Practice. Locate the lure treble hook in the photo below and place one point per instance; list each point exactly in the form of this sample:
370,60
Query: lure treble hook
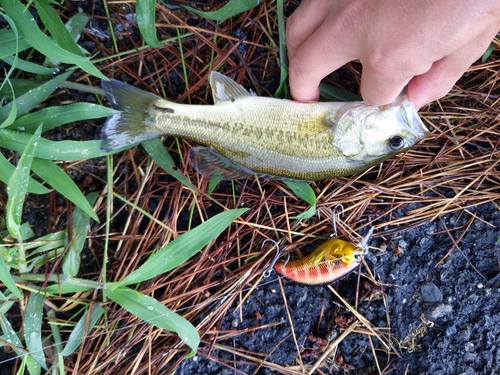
279,252
334,222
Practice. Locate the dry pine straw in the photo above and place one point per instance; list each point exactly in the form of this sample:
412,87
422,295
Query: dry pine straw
455,169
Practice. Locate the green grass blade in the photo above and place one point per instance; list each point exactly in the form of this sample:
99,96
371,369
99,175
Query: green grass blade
182,248
32,98
59,180
145,10
305,192
331,93
488,52
41,42
52,117
11,336
10,42
18,186
56,27
52,150
65,288
76,337
6,171
153,312
29,67
231,9
45,243
20,86
11,117
80,228
282,91
8,281
157,152
33,328
217,177
56,336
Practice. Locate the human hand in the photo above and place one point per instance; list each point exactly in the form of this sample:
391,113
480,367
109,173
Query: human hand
425,44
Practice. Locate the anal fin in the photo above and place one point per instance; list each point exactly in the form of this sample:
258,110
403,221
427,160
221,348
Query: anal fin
208,162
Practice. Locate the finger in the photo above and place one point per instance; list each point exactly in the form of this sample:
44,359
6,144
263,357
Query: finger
443,74
304,21
322,53
384,79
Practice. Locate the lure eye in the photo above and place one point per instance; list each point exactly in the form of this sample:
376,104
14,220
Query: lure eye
396,142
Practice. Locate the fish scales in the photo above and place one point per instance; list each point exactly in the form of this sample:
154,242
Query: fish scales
254,142
278,128
246,135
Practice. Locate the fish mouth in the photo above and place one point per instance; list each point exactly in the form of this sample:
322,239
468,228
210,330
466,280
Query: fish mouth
410,117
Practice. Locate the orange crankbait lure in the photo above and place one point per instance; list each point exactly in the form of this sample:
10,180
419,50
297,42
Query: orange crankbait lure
330,261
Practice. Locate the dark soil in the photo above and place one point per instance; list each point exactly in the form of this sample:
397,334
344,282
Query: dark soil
458,307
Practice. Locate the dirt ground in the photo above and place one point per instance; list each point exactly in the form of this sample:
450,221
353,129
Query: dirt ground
448,312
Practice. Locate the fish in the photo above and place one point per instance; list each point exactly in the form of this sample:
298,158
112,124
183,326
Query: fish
243,135
332,260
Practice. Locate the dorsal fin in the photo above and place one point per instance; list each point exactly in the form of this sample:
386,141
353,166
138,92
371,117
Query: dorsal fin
224,88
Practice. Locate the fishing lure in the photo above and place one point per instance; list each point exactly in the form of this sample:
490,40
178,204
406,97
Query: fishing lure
330,261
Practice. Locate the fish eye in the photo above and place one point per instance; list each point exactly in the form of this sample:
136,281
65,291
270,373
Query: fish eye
396,142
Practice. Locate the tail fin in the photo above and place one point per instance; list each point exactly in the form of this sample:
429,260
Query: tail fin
131,126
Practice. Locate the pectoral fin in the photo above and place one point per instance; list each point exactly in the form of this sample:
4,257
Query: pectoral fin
208,162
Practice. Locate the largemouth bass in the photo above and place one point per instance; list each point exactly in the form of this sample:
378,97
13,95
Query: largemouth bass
245,135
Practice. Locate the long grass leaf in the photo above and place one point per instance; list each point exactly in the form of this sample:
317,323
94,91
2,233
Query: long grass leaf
156,150
79,332
10,335
12,111
56,336
45,243
80,228
52,150
20,86
282,91
182,248
56,27
153,312
41,42
66,288
8,281
146,21
59,180
32,98
10,42
11,117
6,171
27,66
52,117
332,93
231,9
33,328
18,186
